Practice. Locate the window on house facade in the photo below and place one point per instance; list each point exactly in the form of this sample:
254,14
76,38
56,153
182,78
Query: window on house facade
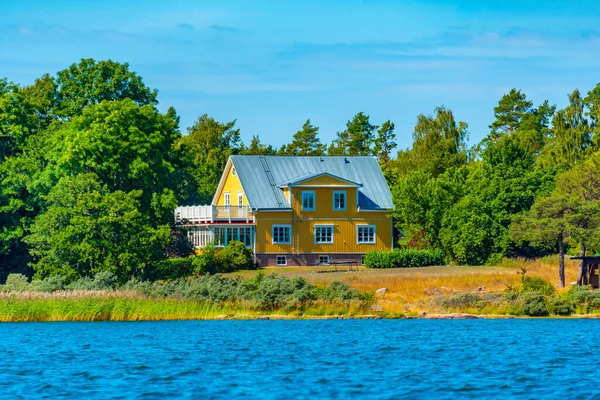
233,172
281,260
240,198
323,233
339,200
365,233
223,235
308,200
323,259
227,199
281,234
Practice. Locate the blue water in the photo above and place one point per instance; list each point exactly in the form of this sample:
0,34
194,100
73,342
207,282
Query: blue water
378,359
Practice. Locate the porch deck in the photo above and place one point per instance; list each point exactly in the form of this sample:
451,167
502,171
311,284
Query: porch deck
199,215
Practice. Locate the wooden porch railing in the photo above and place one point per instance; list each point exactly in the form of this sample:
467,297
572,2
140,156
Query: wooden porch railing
207,214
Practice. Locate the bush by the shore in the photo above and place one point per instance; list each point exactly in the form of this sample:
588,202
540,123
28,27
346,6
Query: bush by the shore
46,299
534,298
404,258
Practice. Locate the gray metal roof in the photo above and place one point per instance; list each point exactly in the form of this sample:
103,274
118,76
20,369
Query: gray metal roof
263,191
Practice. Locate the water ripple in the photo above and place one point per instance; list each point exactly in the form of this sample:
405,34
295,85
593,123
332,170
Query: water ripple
335,359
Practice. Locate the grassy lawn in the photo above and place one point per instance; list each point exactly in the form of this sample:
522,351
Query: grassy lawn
410,288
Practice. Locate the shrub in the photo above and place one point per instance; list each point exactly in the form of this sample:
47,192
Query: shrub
342,291
52,283
404,258
562,306
583,298
535,284
534,304
234,257
171,268
16,283
103,280
461,300
205,262
83,283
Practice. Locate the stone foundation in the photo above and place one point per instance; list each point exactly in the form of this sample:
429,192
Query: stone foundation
305,259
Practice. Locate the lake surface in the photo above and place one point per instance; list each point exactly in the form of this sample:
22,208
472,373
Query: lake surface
375,359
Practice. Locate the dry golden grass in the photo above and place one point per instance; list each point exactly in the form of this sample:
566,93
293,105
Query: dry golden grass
409,288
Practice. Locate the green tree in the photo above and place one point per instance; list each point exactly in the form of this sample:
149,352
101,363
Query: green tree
469,234
305,142
439,142
421,201
257,148
385,141
30,119
16,119
547,222
509,113
204,152
90,82
570,136
129,147
356,139
88,229
592,102
384,144
582,185
516,117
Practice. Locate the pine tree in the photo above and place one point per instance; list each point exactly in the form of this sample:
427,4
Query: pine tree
305,142
356,139
257,148
384,143
509,112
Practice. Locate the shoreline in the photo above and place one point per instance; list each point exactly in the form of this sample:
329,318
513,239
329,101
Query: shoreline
115,309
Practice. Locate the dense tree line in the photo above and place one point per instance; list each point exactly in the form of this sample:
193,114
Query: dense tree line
91,170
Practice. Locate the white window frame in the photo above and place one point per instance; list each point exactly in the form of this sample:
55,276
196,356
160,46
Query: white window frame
340,192
358,227
318,227
275,226
314,200
324,257
281,257
240,198
227,199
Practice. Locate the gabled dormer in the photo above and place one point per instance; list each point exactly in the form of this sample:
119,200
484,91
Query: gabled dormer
322,193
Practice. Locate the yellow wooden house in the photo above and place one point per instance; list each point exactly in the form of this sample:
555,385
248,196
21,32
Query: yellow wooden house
297,210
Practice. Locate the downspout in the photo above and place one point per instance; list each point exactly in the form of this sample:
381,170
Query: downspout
254,235
392,224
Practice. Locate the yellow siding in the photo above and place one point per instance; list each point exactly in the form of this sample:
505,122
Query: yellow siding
233,186
324,203
264,223
344,223
324,180
344,236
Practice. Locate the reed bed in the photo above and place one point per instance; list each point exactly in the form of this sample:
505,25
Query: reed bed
24,307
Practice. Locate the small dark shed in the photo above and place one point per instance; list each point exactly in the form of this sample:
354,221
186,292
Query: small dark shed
593,272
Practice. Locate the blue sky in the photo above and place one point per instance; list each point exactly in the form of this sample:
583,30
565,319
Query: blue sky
273,64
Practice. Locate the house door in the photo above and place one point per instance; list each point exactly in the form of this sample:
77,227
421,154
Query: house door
240,205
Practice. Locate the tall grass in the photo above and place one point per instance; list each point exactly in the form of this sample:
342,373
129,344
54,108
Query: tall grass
55,307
